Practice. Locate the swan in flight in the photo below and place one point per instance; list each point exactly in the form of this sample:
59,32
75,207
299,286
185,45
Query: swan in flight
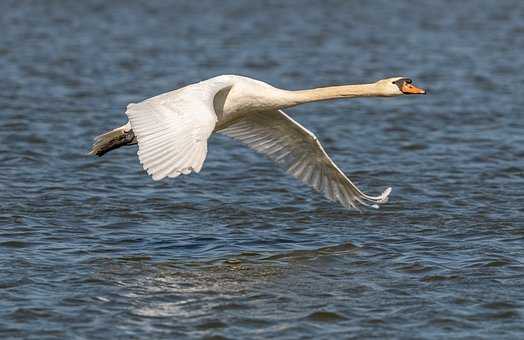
172,130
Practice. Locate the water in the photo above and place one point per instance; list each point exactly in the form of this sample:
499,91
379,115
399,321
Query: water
93,248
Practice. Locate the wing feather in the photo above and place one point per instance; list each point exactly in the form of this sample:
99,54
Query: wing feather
286,142
172,130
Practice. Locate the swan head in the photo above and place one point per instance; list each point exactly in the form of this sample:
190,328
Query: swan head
398,86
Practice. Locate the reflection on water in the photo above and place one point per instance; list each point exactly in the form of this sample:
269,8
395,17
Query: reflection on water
94,248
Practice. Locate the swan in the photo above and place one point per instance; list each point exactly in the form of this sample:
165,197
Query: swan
172,130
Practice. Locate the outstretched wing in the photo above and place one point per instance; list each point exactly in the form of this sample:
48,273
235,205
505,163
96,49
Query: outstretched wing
172,130
289,144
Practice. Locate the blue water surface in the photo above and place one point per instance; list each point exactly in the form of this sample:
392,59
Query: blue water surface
93,248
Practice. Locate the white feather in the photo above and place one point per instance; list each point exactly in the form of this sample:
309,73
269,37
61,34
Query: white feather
172,129
283,140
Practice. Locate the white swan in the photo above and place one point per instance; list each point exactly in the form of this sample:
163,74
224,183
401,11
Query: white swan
172,129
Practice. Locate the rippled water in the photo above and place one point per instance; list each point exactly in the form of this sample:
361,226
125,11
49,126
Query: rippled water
94,248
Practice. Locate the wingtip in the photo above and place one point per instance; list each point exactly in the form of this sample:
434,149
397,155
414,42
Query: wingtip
385,195
382,199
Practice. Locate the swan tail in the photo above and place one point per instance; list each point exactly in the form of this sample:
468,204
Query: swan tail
113,139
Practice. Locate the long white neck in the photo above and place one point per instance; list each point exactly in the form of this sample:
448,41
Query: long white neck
240,95
292,98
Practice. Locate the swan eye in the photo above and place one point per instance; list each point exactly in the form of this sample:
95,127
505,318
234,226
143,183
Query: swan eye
408,81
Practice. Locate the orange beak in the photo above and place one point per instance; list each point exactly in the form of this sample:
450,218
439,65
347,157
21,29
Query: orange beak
411,89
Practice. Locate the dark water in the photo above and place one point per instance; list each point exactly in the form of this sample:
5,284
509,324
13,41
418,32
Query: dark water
93,248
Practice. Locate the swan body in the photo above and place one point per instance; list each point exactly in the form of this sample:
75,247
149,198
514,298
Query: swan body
172,130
